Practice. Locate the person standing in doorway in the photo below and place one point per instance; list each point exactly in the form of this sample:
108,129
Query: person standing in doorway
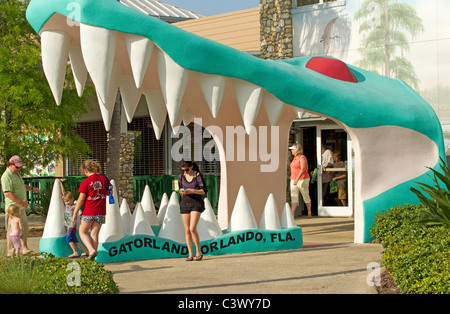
341,179
15,191
299,179
327,162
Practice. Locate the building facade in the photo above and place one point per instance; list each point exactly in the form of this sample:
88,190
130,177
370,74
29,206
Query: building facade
403,39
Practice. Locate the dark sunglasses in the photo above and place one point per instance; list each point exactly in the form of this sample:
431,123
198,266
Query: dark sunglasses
17,167
185,169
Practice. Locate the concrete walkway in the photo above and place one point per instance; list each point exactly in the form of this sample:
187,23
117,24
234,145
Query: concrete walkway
328,263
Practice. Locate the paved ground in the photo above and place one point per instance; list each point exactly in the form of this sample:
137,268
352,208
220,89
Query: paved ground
328,263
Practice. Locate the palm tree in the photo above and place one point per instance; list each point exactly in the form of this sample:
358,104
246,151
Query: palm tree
384,33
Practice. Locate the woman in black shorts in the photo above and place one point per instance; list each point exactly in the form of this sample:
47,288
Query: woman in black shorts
192,189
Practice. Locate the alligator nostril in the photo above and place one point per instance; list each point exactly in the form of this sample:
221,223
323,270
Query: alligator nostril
333,68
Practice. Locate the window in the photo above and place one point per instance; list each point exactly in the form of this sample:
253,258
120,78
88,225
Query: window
150,155
148,151
95,135
301,3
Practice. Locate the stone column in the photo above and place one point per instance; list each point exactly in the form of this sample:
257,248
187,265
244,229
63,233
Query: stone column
276,29
126,165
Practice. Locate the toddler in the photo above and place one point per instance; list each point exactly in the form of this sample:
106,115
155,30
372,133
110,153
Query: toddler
71,226
15,225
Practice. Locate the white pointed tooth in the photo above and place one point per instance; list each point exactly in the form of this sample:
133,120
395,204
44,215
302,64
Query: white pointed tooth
130,95
162,213
299,112
213,87
149,207
106,114
172,227
173,80
140,51
242,217
188,118
249,97
54,224
55,52
157,110
208,228
269,219
78,68
139,223
163,208
125,214
274,108
180,117
113,229
99,48
287,220
107,108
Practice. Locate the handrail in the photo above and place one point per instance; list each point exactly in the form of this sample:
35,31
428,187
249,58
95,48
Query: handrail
158,186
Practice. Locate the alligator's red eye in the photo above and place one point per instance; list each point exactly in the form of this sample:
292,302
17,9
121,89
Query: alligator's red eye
332,68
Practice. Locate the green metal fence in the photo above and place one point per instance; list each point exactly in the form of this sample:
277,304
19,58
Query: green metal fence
158,186
45,184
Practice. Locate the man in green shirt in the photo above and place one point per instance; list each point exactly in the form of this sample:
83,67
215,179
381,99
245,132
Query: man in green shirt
15,192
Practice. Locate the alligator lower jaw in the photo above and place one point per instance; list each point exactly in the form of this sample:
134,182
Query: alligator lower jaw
146,234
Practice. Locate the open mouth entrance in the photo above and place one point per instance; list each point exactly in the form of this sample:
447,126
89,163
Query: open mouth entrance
329,152
178,85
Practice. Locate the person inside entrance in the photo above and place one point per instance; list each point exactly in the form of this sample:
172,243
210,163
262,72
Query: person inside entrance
299,179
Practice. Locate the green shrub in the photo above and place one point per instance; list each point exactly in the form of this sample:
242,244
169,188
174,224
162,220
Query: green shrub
397,223
21,276
416,255
52,275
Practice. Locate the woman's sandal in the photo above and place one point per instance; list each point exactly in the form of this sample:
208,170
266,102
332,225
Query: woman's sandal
189,259
198,258
93,256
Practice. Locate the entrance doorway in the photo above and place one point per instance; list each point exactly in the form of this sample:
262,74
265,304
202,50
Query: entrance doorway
334,177
327,199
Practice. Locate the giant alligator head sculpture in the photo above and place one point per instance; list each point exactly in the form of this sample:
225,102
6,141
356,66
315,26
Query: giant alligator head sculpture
395,133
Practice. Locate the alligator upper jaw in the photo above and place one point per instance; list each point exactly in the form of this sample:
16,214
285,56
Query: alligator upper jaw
136,66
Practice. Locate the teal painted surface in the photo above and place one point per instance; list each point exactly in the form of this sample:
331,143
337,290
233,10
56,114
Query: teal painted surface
57,246
399,195
143,247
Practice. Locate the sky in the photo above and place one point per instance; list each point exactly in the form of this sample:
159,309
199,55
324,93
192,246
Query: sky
213,7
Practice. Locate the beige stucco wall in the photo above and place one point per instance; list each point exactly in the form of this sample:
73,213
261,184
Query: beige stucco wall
239,29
